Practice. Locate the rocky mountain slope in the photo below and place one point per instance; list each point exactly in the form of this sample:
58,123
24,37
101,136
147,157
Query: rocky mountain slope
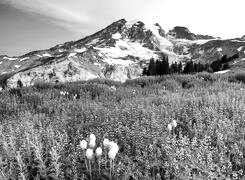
118,52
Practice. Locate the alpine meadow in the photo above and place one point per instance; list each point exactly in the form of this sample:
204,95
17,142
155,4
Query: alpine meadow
87,93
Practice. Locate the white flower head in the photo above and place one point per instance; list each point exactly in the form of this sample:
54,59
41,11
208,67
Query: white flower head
92,137
169,127
174,123
98,152
112,154
106,142
113,146
92,143
83,144
89,154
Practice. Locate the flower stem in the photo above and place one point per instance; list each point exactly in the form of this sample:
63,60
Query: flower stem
112,166
84,153
110,169
90,169
99,166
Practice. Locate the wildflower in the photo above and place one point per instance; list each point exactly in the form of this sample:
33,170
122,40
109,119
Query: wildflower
98,152
113,88
92,143
89,154
114,146
169,127
174,124
92,137
112,154
106,143
83,144
111,145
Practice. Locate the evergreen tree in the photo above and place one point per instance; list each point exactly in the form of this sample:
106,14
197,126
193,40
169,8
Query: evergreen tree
180,67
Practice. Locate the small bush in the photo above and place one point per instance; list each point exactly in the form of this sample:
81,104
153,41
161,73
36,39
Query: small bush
171,85
240,77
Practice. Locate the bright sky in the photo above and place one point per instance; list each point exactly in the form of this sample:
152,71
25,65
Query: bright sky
27,25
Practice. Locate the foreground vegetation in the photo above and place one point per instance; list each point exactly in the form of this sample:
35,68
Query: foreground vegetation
41,128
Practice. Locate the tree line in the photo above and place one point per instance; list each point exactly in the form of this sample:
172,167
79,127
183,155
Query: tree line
162,66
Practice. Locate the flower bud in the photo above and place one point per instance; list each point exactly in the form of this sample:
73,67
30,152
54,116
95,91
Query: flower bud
98,152
89,154
92,143
106,143
174,124
169,127
92,137
83,144
112,154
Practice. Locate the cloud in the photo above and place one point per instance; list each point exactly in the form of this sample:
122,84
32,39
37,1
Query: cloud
202,16
77,14
54,11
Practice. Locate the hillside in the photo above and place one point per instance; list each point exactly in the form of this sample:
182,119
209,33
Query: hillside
118,52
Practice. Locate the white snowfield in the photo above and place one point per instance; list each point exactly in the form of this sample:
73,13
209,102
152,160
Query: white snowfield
222,72
80,50
116,36
219,49
72,55
155,30
9,58
129,24
23,59
118,62
38,55
94,41
1,62
240,48
17,66
124,48
46,55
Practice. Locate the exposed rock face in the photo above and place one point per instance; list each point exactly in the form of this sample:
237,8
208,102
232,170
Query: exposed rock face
182,33
118,52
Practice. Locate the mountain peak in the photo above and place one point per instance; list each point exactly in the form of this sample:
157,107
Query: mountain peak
118,52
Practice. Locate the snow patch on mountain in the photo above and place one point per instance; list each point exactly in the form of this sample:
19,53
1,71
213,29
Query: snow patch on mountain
17,66
118,62
23,59
72,55
80,50
222,72
9,58
219,49
124,48
130,23
240,48
116,36
164,42
46,55
94,41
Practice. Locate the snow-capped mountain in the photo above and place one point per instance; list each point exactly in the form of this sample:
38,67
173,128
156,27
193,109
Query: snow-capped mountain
118,52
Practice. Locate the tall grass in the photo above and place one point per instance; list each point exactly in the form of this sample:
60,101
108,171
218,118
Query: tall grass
40,129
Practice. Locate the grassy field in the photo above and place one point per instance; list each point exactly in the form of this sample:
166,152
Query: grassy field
41,129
